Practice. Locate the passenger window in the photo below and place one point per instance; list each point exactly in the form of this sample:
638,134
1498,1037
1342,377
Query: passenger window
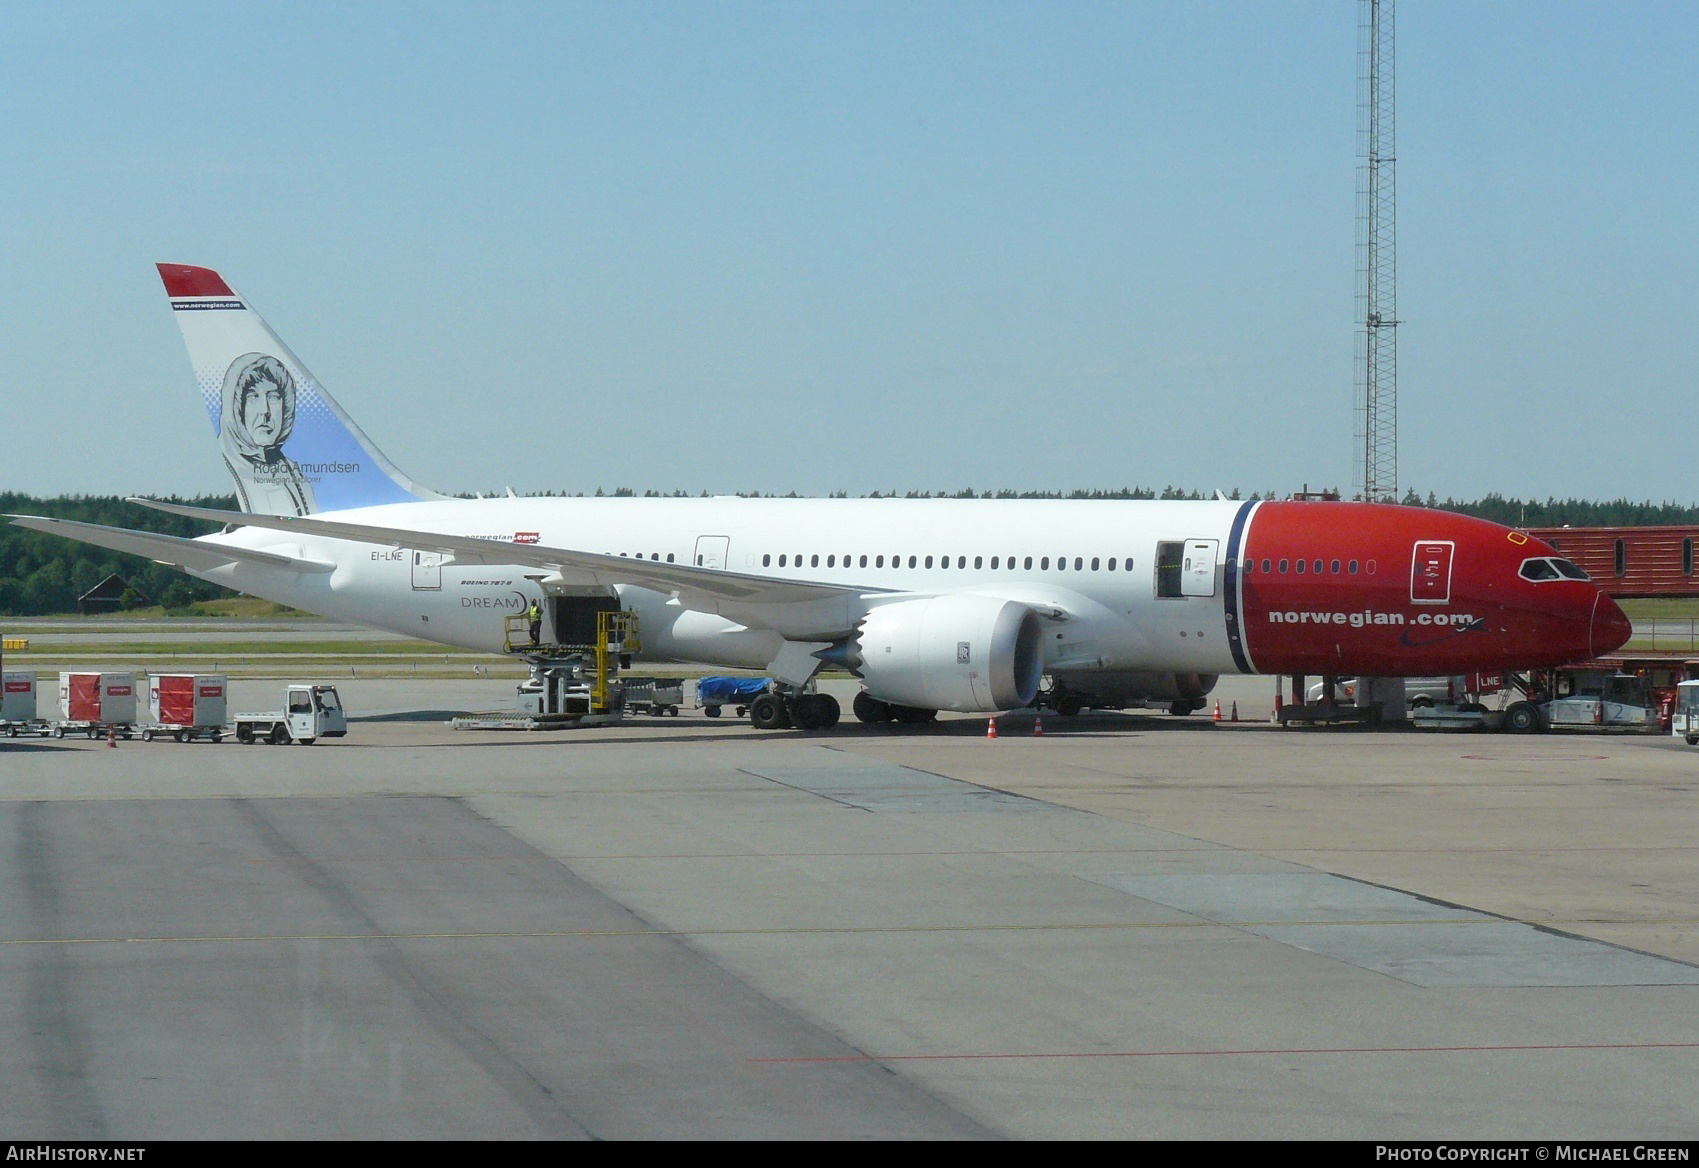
1111,563
911,562
1029,563
1094,563
1334,567
928,561
832,561
1285,566
979,562
669,557
864,561
1300,567
1266,566
1079,563
961,562
1352,567
781,561
766,560
877,563
1044,564
1318,567
813,561
1127,564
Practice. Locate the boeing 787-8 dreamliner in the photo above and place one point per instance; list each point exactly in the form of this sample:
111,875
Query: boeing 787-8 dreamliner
934,604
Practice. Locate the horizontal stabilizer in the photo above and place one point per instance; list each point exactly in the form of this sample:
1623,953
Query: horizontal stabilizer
190,554
686,580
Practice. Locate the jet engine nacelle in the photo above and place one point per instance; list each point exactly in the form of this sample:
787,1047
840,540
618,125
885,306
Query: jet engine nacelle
971,653
1130,686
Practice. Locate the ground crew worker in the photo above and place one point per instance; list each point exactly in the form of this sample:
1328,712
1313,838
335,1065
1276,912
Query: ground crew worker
534,614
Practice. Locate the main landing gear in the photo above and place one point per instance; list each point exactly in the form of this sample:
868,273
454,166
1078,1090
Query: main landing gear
809,711
871,710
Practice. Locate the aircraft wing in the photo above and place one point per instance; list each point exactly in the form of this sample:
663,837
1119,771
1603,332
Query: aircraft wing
173,550
687,581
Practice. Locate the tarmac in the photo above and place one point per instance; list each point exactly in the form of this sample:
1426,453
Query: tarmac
1131,926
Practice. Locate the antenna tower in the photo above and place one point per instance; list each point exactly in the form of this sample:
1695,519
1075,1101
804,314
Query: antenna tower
1377,266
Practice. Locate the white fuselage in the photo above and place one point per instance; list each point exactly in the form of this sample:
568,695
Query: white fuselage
1067,558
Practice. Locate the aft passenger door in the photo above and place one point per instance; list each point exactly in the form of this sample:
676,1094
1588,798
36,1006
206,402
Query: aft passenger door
427,571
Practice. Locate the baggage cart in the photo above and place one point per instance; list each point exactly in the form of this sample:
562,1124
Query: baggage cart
186,707
17,705
659,696
95,704
714,692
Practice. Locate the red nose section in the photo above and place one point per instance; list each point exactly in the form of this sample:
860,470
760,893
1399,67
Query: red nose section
1611,627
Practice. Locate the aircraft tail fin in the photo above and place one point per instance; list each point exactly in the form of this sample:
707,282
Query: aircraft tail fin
288,445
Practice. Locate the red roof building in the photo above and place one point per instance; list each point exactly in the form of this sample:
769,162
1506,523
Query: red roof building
1630,561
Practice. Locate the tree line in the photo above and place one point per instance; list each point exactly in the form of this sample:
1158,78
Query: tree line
43,575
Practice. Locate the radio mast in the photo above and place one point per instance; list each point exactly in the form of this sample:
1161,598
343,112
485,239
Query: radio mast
1377,265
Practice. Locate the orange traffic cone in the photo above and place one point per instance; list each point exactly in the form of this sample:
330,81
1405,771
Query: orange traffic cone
112,736
1038,726
1218,716
991,728
1235,716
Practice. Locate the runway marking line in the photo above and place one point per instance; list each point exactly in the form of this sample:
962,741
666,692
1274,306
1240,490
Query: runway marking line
848,930
1250,1051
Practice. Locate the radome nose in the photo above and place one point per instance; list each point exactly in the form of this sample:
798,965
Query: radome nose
1611,626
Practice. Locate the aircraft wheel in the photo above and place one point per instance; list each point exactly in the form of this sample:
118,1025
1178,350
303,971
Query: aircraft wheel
870,709
1069,706
767,712
815,711
914,716
1180,709
1522,718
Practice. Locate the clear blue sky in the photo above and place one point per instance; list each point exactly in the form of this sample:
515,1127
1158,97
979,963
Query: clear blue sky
816,247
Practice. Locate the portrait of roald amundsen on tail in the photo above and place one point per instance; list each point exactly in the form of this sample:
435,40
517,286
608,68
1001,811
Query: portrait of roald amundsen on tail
259,413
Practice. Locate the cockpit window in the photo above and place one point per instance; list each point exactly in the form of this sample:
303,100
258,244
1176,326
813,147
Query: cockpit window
1551,569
